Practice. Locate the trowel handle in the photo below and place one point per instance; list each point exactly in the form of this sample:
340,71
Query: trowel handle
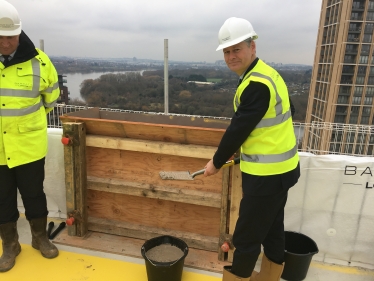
199,172
227,164
232,162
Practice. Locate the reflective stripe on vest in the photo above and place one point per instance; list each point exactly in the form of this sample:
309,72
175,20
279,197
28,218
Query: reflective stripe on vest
34,93
280,117
20,112
273,158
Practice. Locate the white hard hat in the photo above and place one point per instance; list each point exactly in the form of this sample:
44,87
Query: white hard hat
10,24
233,31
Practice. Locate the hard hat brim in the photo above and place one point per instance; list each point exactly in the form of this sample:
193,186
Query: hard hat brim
236,41
11,32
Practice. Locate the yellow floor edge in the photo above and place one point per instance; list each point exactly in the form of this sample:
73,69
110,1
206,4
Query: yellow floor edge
68,266
343,269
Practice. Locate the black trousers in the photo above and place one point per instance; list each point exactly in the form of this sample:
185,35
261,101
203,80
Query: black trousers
28,178
260,222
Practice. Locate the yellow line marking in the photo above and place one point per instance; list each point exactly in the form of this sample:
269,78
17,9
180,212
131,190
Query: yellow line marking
68,266
343,269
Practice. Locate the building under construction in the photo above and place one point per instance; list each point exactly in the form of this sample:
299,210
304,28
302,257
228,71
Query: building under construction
342,83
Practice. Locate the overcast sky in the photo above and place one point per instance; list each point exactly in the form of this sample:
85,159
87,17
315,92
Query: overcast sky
287,29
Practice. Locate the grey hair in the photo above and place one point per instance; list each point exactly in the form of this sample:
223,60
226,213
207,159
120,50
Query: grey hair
248,41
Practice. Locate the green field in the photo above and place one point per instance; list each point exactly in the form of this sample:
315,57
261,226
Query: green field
215,80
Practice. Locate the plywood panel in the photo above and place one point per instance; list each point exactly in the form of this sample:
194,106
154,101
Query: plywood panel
155,213
145,167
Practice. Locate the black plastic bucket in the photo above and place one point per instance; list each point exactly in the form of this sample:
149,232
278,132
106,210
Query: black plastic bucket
164,271
299,250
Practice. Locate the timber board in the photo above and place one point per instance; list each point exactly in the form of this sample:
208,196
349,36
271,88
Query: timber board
167,133
236,197
154,118
142,167
168,148
156,127
195,197
137,231
154,212
131,247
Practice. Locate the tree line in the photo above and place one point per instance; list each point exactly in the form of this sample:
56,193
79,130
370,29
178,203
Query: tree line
132,91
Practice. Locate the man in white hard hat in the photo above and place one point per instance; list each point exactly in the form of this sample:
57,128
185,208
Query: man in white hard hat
28,90
262,128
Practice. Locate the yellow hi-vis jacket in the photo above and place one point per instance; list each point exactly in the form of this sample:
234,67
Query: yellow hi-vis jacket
271,147
28,90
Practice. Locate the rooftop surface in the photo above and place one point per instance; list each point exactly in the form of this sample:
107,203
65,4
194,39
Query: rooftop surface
81,264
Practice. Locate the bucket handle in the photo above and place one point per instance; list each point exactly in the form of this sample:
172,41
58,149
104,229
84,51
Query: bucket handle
156,265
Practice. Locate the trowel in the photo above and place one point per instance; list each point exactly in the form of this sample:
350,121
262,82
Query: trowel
186,175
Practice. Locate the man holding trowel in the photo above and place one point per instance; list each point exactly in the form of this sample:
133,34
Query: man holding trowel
262,128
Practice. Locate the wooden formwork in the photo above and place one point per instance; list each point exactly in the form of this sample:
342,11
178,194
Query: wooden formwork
113,186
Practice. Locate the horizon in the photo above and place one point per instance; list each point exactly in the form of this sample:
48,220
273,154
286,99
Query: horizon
287,29
160,60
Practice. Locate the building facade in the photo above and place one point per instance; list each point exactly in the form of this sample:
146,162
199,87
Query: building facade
342,83
64,92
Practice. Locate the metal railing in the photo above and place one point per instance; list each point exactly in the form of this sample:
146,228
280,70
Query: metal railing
319,137
61,109
337,138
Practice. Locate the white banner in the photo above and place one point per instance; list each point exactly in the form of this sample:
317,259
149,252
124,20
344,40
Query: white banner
333,204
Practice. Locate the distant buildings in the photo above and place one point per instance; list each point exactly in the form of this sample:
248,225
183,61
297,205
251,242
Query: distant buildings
342,83
64,93
199,83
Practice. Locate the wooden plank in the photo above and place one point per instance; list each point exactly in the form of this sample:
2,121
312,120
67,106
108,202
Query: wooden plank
132,166
224,202
69,177
80,177
235,198
151,117
207,243
145,190
185,150
157,213
76,176
149,131
131,247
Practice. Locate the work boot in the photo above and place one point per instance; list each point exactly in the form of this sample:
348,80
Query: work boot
11,246
270,271
228,276
40,240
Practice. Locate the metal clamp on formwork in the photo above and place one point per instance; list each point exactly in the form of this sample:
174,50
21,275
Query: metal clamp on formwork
73,216
225,242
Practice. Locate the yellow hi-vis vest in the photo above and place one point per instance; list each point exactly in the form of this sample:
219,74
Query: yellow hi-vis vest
271,147
28,91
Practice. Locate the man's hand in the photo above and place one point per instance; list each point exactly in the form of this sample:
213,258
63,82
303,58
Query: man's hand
210,169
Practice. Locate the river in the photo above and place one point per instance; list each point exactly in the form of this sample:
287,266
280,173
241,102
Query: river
74,81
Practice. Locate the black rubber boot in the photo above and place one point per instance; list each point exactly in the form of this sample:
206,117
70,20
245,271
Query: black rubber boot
40,240
11,246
